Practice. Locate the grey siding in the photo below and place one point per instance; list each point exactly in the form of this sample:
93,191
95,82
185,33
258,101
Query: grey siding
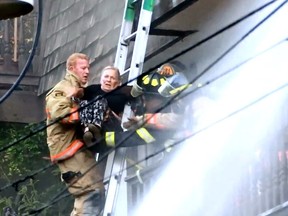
87,26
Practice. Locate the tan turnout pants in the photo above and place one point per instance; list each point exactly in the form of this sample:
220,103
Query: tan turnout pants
86,185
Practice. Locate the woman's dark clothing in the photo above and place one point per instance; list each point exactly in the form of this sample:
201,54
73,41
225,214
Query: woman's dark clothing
116,100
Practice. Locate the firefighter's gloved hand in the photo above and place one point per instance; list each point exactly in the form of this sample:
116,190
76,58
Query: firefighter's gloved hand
134,122
136,90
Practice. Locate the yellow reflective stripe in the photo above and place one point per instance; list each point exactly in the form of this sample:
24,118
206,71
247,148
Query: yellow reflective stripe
110,138
181,88
145,135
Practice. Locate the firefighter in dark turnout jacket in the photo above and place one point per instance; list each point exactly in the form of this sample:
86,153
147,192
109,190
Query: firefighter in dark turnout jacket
156,121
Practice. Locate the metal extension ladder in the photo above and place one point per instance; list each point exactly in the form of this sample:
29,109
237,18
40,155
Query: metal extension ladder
116,164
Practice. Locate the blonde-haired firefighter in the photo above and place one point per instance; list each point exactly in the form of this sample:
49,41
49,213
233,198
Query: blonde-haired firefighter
64,138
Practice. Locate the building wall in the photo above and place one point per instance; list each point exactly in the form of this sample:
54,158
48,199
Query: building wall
22,107
91,27
68,26
88,26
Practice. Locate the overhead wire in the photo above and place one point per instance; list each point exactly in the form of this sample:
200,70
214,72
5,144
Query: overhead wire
181,96
16,183
129,81
177,55
226,52
237,42
214,34
230,49
172,145
44,127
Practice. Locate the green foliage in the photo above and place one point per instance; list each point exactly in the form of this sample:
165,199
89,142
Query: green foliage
6,201
33,199
29,198
22,159
25,155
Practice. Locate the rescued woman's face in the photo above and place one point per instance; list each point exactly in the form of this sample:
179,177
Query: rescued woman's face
109,80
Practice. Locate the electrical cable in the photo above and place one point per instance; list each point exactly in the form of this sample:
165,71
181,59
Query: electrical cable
32,133
31,55
175,143
129,81
240,40
44,127
191,135
15,183
214,34
177,55
231,48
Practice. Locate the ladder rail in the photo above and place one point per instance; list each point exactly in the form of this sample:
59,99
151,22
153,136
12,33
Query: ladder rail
116,167
141,39
126,29
116,163
117,159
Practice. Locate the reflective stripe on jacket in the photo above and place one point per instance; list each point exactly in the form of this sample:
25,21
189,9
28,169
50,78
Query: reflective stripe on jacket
145,135
141,136
60,134
72,117
68,152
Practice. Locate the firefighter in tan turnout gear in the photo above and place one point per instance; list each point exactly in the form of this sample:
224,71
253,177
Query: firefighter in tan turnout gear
64,138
